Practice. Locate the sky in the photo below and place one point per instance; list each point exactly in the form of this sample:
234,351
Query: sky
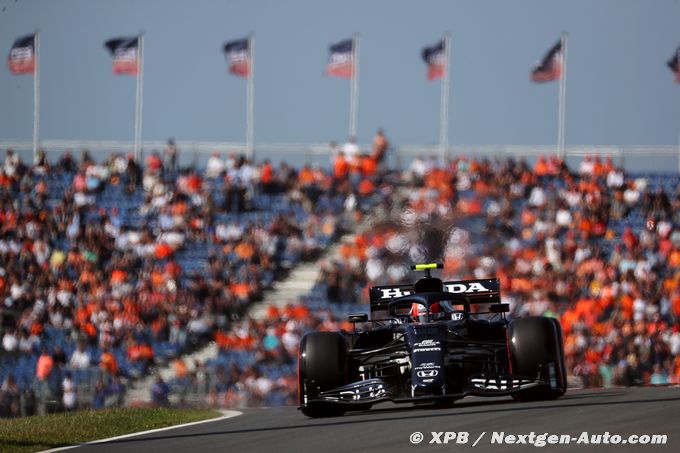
619,90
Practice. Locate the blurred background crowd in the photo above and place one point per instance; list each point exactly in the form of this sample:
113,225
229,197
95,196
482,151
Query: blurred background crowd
111,269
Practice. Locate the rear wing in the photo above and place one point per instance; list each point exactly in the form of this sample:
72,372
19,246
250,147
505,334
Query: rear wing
483,291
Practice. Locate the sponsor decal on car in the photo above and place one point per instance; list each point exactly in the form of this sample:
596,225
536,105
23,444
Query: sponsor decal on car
427,365
427,346
455,288
392,293
497,383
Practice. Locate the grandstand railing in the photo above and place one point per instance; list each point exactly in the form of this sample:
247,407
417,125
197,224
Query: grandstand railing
639,157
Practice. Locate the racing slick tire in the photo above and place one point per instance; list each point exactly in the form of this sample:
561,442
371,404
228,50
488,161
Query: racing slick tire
322,366
536,350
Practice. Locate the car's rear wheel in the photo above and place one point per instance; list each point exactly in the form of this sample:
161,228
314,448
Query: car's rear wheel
322,366
536,350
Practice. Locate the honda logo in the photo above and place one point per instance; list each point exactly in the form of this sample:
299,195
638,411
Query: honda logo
469,287
474,287
391,293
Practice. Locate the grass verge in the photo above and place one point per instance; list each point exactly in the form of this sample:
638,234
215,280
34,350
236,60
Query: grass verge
31,434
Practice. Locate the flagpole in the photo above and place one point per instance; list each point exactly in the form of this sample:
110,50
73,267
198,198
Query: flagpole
139,98
678,137
36,96
562,99
250,97
354,87
444,100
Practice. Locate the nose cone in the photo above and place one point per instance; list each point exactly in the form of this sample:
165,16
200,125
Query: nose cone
434,388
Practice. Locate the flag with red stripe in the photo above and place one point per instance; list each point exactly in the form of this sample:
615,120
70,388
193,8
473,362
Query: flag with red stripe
125,53
341,59
435,58
550,67
238,56
674,64
21,59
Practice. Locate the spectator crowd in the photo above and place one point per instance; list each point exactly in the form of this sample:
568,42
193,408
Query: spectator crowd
115,265
594,246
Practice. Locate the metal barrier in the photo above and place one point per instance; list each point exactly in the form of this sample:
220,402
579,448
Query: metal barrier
637,158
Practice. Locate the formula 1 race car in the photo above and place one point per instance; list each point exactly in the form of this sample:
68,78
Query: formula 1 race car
431,343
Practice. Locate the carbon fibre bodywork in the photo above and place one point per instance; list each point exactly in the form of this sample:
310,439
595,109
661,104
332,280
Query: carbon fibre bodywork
434,355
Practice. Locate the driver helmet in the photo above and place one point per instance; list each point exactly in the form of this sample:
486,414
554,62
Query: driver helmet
419,311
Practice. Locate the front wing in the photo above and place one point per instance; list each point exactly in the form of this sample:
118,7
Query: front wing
377,390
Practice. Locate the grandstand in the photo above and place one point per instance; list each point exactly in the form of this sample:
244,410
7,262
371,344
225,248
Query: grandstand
135,267
140,267
552,234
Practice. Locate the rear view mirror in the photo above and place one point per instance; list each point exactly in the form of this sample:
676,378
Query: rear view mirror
499,308
357,317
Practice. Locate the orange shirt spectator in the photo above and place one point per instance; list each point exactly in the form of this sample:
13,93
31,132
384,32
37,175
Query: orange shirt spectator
194,183
5,181
87,277
528,217
37,328
340,167
306,176
541,167
629,238
44,366
181,369
146,351
240,290
173,269
108,363
118,276
267,173
157,278
154,162
321,178
675,303
90,330
369,166
608,165
366,187
598,168
140,351
674,258
244,250
179,208
273,312
134,352
163,250
300,312
79,183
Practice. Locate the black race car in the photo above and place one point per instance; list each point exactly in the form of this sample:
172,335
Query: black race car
432,342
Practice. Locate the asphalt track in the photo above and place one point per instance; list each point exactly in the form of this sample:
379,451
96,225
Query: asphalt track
388,427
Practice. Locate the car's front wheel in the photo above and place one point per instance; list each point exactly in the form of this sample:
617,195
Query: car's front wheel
536,350
322,366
